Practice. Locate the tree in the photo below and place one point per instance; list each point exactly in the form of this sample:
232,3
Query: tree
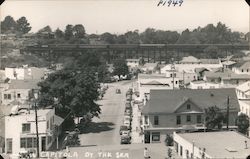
214,117
59,33
120,68
79,31
45,29
68,32
76,89
22,25
149,36
108,38
242,122
212,52
8,25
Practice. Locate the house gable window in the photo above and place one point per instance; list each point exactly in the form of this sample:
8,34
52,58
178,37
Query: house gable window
178,120
188,106
156,120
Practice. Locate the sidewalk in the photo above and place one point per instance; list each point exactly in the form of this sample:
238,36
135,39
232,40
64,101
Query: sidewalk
136,137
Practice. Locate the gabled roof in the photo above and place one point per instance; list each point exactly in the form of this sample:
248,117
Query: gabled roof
210,61
244,87
190,59
24,84
153,82
166,101
228,63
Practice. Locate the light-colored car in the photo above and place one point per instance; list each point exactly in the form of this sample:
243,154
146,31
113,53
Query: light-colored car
126,123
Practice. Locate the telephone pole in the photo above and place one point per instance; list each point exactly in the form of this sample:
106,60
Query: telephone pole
227,112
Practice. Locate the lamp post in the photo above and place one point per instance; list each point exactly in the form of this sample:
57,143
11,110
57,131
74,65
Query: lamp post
35,97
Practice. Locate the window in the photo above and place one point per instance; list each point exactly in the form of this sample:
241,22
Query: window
156,120
199,87
5,96
51,124
155,136
146,120
188,106
198,117
247,70
181,150
9,96
18,95
47,124
26,128
242,70
176,82
178,120
28,142
188,118
9,145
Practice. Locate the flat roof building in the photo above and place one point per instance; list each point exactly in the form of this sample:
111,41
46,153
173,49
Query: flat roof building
226,144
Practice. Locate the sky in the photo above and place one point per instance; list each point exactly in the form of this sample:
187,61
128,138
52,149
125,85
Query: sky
120,16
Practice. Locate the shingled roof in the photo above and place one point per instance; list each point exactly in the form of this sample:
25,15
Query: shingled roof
167,101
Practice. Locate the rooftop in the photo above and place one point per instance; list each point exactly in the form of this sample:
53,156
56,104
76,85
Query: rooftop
167,101
189,59
209,61
228,144
244,86
24,84
151,76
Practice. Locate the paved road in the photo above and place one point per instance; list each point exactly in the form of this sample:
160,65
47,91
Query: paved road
106,128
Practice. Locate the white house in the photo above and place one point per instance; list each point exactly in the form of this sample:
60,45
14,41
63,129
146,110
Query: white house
25,72
227,144
189,67
242,68
20,130
150,67
185,75
133,63
203,85
18,91
147,82
243,90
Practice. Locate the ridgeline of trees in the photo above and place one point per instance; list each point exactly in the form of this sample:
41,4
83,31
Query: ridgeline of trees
210,34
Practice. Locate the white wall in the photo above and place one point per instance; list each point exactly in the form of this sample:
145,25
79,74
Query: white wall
13,127
186,145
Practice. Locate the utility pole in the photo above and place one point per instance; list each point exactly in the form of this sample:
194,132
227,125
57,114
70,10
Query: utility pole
37,136
173,70
227,112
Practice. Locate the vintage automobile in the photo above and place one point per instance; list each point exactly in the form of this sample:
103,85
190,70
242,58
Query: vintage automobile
118,91
125,139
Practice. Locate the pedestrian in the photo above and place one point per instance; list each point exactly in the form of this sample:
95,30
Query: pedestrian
146,155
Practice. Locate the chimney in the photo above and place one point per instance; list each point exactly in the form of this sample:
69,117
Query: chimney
246,145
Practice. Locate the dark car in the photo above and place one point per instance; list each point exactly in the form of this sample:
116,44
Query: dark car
125,139
118,91
123,128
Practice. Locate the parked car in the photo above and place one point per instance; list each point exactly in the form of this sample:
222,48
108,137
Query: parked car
127,117
125,139
128,106
128,112
118,91
123,128
127,123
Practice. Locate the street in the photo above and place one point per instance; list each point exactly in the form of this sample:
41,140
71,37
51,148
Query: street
105,130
